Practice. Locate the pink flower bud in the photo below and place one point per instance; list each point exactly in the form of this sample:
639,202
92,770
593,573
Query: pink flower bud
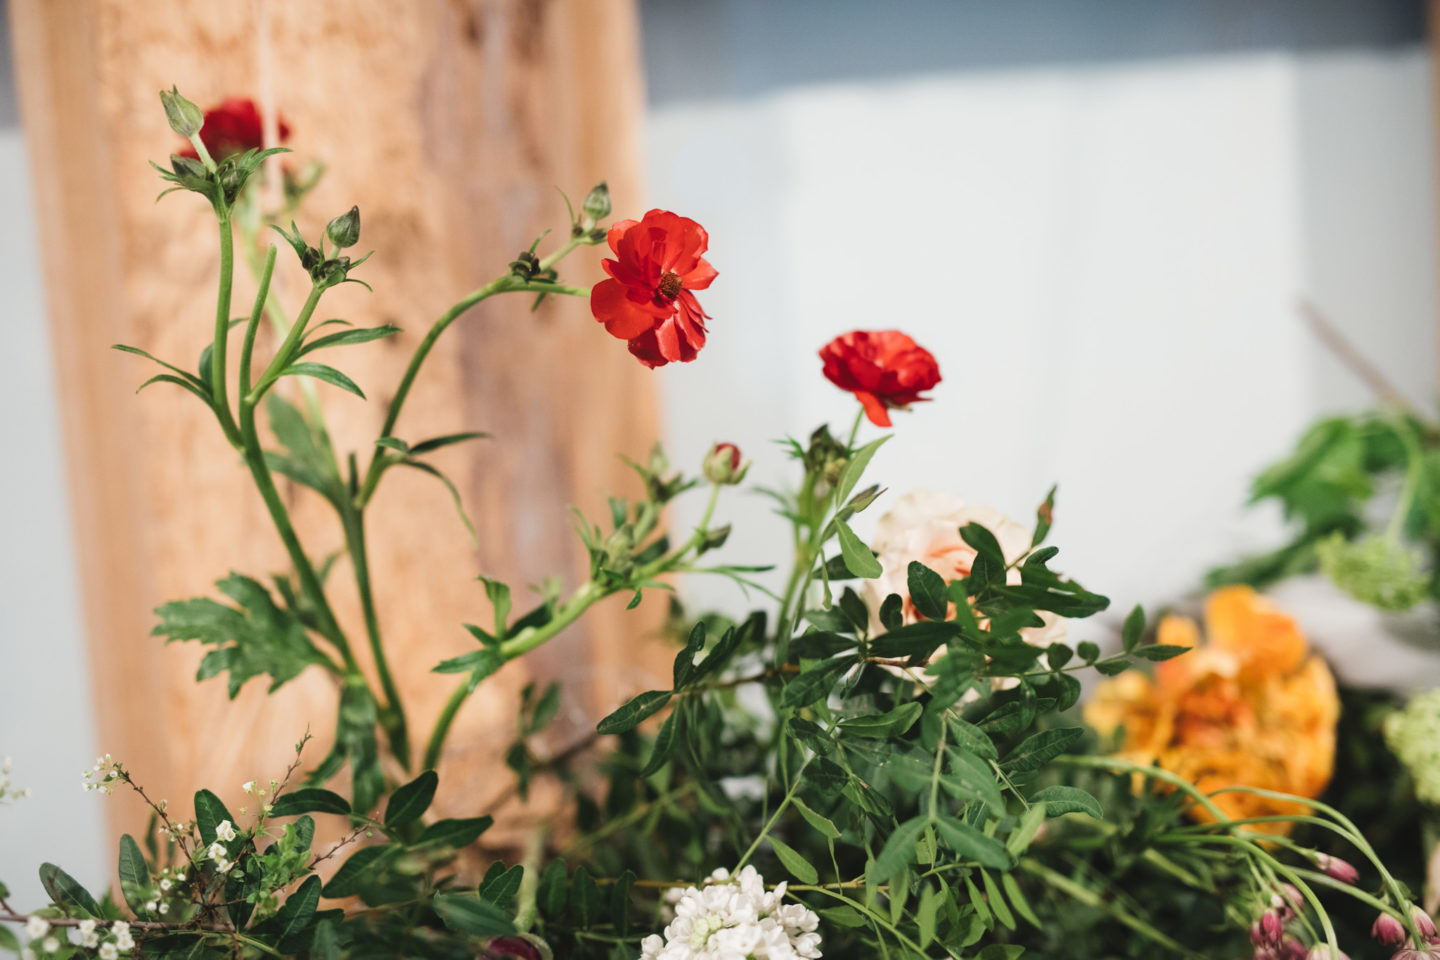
722,464
1287,901
1388,930
1268,931
1321,951
1291,949
1423,923
1338,869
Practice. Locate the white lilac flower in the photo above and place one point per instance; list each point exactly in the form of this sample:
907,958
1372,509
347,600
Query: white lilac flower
731,917
36,927
225,830
50,945
108,951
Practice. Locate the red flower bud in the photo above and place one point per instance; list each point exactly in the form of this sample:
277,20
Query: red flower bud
1338,869
1388,930
883,368
1423,923
1268,931
722,464
513,948
648,300
1321,951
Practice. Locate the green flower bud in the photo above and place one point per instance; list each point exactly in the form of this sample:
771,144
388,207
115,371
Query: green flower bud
723,464
597,203
1414,736
1375,570
714,539
344,230
185,118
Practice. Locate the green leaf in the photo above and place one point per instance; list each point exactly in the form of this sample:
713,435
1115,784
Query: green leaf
455,833
1160,651
65,891
684,666
309,800
409,802
664,745
1038,750
185,384
347,337
186,375
449,439
1134,628
293,920
1023,835
844,916
255,638
620,902
928,591
633,712
326,943
971,844
997,902
815,683
1060,800
499,596
1017,898
799,867
550,895
134,874
884,725
1044,517
321,372
501,883
899,849
8,940
584,898
859,559
470,915
989,565
360,870
449,486
855,469
925,915
1001,951
973,739
210,812
826,826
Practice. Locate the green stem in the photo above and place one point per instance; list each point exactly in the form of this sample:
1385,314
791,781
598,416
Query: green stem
503,284
1111,763
247,349
219,389
774,817
436,743
392,712
1090,898
286,352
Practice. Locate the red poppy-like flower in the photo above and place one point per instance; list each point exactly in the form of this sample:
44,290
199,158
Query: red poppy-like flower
233,127
883,368
648,300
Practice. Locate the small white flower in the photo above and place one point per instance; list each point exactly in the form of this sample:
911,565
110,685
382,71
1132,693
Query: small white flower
152,906
27,954
216,851
120,928
225,830
85,934
124,943
180,877
50,945
108,951
166,884
248,786
164,908
36,927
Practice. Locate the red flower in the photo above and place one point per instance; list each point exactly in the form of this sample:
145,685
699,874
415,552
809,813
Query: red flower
233,127
883,368
648,299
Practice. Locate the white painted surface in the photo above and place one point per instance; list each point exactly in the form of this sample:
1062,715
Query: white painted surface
46,723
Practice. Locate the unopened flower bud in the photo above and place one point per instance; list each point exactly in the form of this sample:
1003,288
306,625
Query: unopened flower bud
1268,931
185,118
723,464
1322,951
715,539
597,203
1338,869
1287,901
1423,924
344,230
1388,930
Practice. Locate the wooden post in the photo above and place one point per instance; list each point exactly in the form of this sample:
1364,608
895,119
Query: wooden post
451,124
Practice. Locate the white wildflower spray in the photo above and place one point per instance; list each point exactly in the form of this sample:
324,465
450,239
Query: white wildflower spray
736,917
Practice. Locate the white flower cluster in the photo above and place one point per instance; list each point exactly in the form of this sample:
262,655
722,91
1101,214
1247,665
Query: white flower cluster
103,776
217,851
166,890
7,790
736,918
87,935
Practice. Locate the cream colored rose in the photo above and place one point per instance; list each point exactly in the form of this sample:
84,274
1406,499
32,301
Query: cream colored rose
924,525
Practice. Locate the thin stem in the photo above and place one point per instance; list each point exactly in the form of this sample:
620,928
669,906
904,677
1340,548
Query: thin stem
285,354
1090,898
393,710
247,349
218,386
774,817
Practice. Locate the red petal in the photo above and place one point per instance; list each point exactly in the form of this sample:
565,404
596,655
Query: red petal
700,277
874,409
623,317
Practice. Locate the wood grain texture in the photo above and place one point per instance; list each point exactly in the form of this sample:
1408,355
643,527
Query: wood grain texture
450,123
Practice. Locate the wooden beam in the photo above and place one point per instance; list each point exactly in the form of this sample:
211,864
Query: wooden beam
450,124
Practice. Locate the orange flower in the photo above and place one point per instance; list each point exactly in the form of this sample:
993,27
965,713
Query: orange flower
1250,707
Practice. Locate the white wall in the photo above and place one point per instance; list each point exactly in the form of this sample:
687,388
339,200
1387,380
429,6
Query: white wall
46,723
1104,258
